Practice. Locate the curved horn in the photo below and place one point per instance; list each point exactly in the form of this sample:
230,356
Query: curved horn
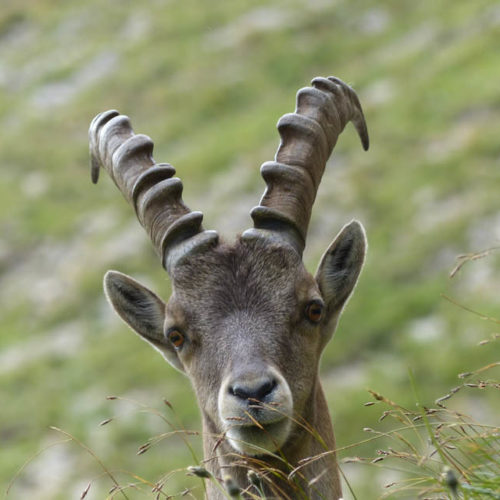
308,137
149,187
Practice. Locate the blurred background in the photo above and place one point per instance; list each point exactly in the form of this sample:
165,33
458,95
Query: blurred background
208,82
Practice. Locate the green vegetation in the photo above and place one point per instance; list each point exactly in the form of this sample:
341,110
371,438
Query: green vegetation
436,451
208,81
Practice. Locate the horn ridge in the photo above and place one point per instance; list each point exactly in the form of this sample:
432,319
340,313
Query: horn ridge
308,137
149,187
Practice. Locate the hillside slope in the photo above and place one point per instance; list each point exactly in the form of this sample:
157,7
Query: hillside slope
208,81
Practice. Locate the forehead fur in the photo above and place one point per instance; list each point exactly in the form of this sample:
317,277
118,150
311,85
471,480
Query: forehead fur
247,274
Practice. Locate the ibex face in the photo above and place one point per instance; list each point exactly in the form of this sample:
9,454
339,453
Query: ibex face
246,322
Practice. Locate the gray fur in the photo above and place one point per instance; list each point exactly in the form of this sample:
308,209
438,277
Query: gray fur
249,322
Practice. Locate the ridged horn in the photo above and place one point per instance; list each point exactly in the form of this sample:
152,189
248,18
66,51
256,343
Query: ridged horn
149,187
308,137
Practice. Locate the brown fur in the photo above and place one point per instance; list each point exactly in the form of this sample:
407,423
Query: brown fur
247,304
246,322
242,309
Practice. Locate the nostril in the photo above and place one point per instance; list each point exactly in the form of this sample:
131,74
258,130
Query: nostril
258,390
266,389
239,391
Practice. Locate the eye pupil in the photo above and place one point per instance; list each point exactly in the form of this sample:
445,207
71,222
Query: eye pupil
176,338
314,312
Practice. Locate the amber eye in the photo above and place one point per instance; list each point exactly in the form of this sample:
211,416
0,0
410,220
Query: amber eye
176,337
314,312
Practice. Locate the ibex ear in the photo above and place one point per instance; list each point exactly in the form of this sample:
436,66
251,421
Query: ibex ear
142,310
340,266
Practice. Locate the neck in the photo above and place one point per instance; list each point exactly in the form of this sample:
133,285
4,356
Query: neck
301,445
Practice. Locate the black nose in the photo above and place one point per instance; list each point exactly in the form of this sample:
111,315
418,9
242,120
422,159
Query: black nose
257,389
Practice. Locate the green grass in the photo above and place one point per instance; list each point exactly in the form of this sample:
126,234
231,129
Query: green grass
437,450
427,191
419,449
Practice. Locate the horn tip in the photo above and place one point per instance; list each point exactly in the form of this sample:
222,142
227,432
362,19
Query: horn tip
362,130
94,169
365,141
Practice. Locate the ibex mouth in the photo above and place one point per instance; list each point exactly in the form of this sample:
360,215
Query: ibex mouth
255,411
259,439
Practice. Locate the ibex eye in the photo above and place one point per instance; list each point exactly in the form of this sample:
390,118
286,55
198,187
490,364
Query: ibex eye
314,312
176,337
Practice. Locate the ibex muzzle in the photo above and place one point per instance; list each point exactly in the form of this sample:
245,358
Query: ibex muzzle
246,321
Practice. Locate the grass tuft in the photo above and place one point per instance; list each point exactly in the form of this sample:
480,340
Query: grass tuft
439,452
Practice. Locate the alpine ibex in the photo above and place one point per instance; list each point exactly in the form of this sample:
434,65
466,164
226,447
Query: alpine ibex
246,322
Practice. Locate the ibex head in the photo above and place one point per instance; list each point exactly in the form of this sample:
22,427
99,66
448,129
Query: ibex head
246,321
